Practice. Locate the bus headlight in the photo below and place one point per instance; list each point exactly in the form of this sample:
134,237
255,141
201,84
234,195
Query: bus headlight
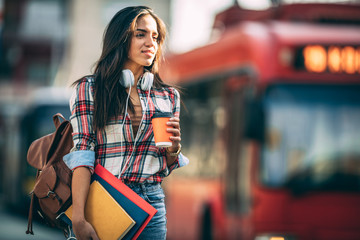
274,236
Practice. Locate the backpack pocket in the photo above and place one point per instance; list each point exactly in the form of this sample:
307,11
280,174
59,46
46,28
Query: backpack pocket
51,192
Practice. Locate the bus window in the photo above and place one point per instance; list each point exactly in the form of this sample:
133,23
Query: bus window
312,137
201,123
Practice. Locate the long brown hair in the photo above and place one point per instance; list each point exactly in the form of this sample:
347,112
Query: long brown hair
109,95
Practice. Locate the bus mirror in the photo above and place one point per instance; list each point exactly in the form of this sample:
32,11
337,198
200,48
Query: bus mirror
254,120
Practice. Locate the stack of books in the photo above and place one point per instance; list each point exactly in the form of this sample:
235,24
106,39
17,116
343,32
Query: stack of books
114,210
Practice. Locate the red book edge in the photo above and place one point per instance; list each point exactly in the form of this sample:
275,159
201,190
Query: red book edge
130,194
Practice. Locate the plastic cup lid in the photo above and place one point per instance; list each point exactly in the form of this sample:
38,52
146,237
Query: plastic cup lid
162,114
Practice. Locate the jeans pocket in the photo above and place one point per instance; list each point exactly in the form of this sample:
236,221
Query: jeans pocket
154,196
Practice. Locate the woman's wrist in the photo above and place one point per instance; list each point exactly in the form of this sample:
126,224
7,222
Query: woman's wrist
78,218
78,212
173,152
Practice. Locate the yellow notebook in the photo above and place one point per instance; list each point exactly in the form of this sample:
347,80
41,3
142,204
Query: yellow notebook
108,218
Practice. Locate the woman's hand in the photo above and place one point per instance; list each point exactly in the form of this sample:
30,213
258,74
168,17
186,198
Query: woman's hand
174,128
83,230
174,123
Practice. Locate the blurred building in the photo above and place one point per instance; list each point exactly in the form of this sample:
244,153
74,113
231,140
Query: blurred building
33,40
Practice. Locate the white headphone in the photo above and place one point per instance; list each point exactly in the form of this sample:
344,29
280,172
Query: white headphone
127,80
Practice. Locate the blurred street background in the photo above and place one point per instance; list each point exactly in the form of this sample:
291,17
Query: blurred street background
229,56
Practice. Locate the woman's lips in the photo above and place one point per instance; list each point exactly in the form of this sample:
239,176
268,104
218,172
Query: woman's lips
148,53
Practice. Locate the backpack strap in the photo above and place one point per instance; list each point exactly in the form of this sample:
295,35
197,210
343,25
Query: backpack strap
31,210
29,228
56,119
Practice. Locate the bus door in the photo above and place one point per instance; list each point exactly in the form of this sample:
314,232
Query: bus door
237,171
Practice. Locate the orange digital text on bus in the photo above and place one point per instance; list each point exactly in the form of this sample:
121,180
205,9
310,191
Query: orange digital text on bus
336,59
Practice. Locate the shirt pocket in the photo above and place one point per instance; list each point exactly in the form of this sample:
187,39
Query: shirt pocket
163,104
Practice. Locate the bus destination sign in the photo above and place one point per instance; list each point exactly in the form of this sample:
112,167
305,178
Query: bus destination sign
330,59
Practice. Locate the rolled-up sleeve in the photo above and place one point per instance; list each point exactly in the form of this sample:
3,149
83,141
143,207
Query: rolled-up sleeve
181,161
82,109
80,158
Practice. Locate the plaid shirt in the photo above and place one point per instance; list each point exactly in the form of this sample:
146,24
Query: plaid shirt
118,150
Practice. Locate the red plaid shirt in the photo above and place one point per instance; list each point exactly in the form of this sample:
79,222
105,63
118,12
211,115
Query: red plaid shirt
136,157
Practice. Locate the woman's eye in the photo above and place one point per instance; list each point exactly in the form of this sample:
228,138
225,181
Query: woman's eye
139,35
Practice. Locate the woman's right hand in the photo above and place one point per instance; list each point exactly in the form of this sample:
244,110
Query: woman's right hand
80,188
83,230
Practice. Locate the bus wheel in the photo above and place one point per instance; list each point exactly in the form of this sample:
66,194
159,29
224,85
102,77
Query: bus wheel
206,228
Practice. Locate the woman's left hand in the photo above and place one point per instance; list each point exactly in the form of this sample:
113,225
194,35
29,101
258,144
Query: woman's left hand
174,128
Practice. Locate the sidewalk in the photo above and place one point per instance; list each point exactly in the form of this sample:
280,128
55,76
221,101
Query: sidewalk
13,227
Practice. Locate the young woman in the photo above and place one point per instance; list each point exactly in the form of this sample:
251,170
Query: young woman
111,118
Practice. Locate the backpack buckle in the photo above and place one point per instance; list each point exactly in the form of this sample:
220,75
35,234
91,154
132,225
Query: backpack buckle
50,192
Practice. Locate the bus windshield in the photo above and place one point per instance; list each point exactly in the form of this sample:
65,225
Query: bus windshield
312,137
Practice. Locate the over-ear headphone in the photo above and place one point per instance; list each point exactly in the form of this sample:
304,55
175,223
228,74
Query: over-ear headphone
127,80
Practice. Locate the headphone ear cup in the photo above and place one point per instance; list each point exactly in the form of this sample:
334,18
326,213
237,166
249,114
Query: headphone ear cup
127,79
147,81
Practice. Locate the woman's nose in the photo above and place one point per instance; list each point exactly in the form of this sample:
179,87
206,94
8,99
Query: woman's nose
150,41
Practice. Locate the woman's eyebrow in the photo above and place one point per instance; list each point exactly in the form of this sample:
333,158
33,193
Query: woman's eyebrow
143,30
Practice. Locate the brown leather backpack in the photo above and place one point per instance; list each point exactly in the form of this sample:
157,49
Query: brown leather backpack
52,191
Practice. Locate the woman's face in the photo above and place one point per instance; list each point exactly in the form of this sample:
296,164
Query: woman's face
144,45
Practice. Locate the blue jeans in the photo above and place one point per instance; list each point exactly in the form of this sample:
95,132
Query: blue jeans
153,194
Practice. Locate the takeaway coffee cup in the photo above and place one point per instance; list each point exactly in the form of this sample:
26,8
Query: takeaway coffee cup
162,137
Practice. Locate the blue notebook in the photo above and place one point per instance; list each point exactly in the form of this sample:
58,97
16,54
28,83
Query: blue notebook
133,210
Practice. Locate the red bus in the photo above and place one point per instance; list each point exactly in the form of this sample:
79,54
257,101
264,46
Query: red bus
271,127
